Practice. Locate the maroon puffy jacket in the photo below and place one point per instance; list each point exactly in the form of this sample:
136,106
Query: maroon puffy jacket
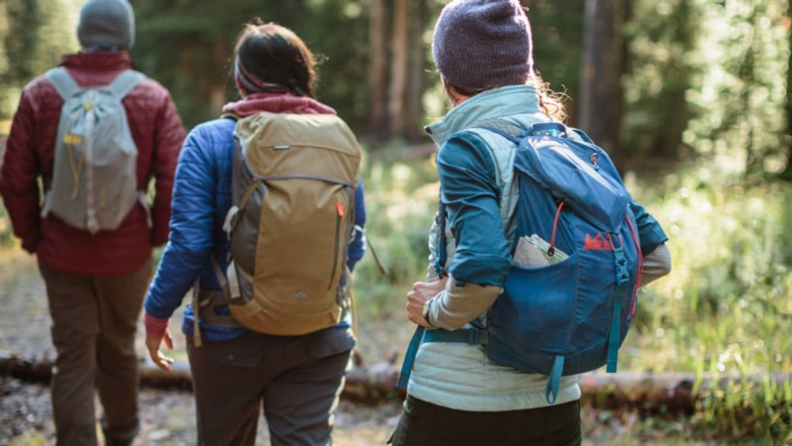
158,133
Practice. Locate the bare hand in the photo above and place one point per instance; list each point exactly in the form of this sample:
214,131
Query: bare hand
422,292
153,345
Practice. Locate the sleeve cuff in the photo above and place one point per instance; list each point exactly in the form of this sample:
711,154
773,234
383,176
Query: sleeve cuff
155,327
427,311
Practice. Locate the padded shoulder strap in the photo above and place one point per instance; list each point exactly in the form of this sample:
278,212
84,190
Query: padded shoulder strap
64,84
124,82
508,130
500,126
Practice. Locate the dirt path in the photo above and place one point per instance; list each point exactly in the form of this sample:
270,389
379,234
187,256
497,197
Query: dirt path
167,416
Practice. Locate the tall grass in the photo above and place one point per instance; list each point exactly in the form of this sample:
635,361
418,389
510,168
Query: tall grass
726,308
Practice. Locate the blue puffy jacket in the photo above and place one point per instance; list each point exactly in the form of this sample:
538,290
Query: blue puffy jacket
201,200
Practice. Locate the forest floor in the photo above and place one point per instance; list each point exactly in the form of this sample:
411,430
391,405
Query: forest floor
168,415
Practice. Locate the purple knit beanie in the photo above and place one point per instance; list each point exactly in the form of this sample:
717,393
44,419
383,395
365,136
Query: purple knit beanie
481,44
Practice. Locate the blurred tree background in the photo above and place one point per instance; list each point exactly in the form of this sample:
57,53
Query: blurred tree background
655,82
693,98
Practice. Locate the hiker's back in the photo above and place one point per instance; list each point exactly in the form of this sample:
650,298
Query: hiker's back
157,131
467,366
94,181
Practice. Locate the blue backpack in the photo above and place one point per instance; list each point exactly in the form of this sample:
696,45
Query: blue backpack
569,311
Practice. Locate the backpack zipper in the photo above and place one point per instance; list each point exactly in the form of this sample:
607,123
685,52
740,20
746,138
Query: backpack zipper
93,224
339,215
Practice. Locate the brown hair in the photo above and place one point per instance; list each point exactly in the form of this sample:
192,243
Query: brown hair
550,101
272,58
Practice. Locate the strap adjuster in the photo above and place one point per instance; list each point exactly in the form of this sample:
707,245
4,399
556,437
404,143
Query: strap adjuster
477,337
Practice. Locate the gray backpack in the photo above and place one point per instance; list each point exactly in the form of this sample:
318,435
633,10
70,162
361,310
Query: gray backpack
94,182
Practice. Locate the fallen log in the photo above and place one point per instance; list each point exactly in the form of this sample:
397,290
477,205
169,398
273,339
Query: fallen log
28,370
371,384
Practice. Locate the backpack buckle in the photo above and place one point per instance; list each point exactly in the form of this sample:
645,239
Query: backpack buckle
552,129
477,337
622,274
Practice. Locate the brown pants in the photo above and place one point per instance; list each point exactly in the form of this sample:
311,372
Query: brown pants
93,330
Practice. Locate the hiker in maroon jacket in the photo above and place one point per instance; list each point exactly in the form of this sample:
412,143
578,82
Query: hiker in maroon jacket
95,281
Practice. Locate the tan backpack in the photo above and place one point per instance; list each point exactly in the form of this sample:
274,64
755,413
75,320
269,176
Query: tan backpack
292,219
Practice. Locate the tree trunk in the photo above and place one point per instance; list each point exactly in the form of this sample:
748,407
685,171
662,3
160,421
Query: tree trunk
600,109
787,173
415,88
378,69
398,79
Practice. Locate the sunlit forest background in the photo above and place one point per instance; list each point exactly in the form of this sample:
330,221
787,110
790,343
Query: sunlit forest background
691,98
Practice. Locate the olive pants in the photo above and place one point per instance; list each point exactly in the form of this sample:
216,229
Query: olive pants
93,330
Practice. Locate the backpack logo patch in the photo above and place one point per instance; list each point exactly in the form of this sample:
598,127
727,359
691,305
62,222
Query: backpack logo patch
598,243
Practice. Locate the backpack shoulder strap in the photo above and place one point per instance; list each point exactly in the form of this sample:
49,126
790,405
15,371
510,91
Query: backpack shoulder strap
515,132
508,130
124,82
64,84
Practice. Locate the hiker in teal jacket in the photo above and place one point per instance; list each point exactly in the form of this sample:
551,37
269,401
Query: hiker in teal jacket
456,395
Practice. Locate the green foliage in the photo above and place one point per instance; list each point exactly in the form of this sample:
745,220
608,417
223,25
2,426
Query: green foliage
337,30
401,199
188,44
660,37
557,29
724,309
722,306
33,36
6,232
743,46
742,409
30,438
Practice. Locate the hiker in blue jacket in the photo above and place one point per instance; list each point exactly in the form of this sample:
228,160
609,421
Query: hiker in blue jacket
236,372
456,395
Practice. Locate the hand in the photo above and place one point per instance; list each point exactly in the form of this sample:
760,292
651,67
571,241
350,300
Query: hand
153,345
421,293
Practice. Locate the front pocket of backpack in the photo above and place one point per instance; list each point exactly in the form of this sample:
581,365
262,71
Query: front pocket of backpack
539,305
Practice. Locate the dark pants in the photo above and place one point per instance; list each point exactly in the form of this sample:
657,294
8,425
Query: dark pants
296,379
93,329
426,424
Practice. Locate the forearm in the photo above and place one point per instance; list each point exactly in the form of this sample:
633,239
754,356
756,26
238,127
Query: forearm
656,265
457,305
24,213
